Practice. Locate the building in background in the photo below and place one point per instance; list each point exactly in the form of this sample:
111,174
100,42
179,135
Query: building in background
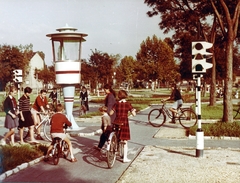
30,79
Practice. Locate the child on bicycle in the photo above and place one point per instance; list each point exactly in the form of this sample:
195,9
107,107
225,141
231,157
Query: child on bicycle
121,108
177,97
58,121
39,105
106,127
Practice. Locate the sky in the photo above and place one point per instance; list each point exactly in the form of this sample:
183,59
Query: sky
113,26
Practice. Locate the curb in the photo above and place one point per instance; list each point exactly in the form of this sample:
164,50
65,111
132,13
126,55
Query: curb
192,137
20,167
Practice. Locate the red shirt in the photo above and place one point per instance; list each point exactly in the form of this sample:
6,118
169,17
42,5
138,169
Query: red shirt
58,120
40,102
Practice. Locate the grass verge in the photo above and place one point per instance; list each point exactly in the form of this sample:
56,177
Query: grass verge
12,156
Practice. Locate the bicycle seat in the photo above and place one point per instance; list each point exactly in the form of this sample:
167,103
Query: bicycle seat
118,124
179,106
56,139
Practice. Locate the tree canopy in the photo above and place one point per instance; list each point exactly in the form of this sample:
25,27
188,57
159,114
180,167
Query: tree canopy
155,61
194,18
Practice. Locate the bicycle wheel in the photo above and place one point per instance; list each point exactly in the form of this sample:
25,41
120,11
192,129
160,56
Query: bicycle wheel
120,149
46,130
156,117
235,113
55,153
65,149
111,152
188,118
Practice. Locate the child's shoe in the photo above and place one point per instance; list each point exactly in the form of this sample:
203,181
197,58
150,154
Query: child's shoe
3,142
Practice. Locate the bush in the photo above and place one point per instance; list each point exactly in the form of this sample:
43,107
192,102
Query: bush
219,129
12,156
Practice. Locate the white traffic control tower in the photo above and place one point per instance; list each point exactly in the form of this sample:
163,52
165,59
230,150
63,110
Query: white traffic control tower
66,48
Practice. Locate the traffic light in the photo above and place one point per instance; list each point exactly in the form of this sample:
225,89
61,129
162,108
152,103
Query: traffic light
17,75
199,54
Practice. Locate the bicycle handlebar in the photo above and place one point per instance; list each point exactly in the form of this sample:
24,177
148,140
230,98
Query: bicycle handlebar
163,101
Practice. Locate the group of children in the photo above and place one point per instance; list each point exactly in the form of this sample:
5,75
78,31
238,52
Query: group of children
28,117
121,109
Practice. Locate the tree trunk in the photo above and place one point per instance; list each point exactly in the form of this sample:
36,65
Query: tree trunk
213,83
227,99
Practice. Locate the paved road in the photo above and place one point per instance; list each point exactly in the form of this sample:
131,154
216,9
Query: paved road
92,166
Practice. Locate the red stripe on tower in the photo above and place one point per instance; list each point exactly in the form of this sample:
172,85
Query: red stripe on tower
68,99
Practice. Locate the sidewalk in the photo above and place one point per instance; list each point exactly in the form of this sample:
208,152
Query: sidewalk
178,164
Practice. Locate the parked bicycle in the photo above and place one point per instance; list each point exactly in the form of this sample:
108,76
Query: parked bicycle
114,145
60,149
186,116
236,112
45,123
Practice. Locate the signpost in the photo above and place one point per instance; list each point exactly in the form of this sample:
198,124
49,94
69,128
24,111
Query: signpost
199,67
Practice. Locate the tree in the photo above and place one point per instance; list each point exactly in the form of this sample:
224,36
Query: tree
11,58
102,67
155,61
125,70
46,75
191,16
228,19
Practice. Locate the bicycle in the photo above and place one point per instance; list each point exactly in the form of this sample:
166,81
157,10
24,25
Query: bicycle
83,109
236,112
186,116
114,145
45,122
60,149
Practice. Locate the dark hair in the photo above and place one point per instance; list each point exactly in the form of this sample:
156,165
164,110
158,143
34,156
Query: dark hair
174,86
27,90
103,109
109,87
122,94
43,91
59,107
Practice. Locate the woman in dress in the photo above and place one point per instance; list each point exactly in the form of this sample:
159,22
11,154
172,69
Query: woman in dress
11,119
110,100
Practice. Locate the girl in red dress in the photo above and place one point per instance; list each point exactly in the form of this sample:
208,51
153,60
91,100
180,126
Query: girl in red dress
121,108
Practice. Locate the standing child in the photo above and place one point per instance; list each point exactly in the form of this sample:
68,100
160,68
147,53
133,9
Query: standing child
53,97
25,116
106,127
84,98
58,121
121,108
11,120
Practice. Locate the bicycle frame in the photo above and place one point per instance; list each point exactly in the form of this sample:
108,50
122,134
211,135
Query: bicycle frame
110,137
42,119
166,111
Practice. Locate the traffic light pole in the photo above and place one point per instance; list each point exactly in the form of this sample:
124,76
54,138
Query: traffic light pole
199,132
18,90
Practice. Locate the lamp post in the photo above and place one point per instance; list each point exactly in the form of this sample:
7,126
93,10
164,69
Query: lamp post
66,48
